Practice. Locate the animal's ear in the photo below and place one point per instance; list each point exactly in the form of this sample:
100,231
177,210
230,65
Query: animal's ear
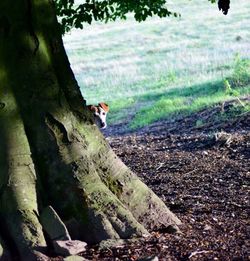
104,106
92,108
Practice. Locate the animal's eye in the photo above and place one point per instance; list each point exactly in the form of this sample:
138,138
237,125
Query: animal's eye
103,113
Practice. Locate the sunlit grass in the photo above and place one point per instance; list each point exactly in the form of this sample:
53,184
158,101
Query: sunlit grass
143,70
183,102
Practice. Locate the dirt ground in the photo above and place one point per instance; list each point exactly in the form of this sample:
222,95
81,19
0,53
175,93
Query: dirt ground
202,173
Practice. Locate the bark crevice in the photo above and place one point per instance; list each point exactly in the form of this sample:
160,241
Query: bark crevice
58,128
30,26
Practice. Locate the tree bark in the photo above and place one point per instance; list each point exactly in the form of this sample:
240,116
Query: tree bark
51,153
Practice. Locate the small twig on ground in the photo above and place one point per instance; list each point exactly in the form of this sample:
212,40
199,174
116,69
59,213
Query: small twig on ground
198,252
189,172
192,196
160,166
241,103
223,107
223,137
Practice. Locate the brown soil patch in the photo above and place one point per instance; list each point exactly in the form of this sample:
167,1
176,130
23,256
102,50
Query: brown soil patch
202,173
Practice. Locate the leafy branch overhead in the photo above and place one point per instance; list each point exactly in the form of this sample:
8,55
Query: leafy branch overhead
74,14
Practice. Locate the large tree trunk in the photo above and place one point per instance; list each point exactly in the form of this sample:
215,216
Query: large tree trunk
51,153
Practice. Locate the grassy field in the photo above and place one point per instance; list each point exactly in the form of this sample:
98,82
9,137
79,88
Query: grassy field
162,67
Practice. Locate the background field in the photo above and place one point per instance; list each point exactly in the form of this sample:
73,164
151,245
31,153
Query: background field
164,67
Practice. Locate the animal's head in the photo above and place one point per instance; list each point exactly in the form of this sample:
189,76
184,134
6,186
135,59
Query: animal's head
100,114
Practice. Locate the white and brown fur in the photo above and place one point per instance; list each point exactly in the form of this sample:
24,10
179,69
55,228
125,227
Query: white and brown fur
100,113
